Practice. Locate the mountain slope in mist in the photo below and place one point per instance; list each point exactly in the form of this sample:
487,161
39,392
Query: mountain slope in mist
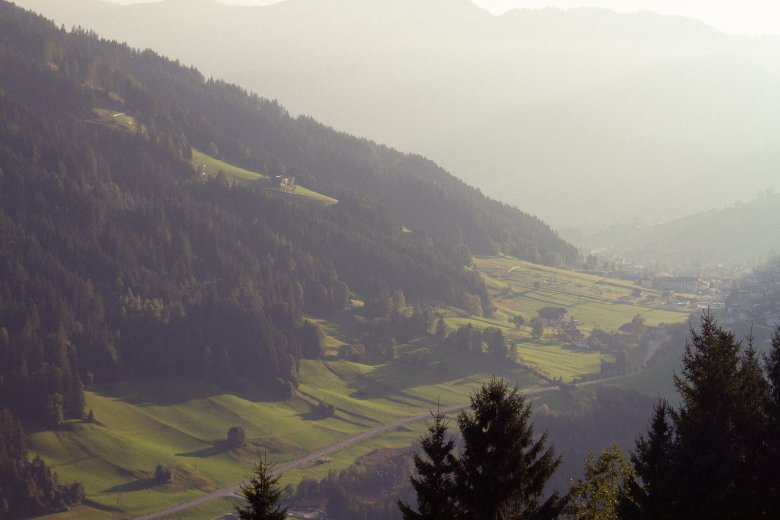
584,117
742,234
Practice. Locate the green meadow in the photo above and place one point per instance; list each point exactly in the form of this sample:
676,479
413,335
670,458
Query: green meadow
211,166
523,288
116,119
183,423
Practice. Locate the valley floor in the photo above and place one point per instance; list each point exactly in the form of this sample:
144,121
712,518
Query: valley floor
183,423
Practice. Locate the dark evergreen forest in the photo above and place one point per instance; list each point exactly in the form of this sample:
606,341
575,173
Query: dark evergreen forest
117,260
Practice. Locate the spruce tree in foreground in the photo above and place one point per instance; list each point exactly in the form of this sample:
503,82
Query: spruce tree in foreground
652,461
502,472
263,494
717,456
435,484
771,473
504,469
713,451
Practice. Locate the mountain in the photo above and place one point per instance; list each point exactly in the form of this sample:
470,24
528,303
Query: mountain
554,111
741,235
145,232
119,259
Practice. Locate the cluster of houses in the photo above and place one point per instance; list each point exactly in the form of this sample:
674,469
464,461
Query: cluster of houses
686,284
755,299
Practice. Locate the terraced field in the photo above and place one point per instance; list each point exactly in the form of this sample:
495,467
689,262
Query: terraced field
182,424
522,288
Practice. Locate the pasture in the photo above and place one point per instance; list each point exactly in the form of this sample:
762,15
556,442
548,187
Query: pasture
520,287
183,423
211,167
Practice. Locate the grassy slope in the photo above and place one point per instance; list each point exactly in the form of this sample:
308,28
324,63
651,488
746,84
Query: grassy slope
592,300
209,165
115,119
212,166
138,428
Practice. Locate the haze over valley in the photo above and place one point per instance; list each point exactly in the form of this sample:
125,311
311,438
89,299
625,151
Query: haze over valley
585,118
388,259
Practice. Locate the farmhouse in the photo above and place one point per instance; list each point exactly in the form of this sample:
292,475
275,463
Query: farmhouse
555,316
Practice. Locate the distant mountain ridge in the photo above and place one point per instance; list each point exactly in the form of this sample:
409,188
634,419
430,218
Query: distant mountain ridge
743,234
548,110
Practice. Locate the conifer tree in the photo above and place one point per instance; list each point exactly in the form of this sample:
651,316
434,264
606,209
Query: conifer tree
711,448
771,473
751,427
263,494
435,483
441,331
714,459
503,470
653,498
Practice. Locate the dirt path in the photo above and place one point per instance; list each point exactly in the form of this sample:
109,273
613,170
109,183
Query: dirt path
351,441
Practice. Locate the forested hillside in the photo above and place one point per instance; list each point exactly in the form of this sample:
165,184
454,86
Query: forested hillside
527,105
117,259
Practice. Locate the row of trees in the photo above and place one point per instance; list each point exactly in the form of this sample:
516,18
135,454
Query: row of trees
468,339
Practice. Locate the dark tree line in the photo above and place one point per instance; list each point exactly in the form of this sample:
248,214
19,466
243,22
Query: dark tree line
28,488
471,340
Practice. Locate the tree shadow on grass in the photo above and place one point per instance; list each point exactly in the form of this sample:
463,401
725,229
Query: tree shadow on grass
217,448
314,415
159,392
136,485
461,368
339,415
100,507
167,392
374,389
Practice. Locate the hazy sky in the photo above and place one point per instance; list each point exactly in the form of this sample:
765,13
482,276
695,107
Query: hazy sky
731,16
753,17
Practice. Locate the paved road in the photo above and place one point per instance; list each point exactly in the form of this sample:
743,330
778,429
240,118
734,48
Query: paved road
351,441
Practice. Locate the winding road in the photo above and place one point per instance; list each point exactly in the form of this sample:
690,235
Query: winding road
359,438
